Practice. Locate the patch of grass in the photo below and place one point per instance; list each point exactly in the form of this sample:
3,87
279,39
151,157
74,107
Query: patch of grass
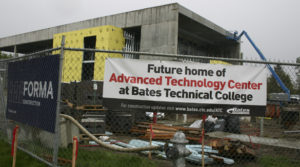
23,159
86,158
99,157
277,161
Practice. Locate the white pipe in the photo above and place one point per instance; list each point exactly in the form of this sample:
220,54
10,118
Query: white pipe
103,144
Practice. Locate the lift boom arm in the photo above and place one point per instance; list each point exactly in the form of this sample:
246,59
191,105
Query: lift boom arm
274,74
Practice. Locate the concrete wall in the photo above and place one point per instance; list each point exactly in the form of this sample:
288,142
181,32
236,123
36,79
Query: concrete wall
160,27
151,19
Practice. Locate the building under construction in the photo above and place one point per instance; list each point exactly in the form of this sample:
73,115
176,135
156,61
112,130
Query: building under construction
170,29
164,29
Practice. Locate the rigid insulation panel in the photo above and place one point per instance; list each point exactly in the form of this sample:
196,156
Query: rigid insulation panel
107,38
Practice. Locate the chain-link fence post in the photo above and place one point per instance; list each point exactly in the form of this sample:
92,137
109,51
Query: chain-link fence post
57,128
3,104
261,126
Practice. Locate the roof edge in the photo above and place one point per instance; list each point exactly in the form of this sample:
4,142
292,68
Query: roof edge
192,15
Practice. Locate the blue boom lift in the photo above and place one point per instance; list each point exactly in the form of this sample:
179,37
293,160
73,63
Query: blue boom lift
289,113
274,74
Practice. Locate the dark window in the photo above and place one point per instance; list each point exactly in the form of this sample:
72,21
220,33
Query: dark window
88,59
132,41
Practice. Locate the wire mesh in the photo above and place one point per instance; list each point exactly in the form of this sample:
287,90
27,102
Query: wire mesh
246,140
31,138
234,140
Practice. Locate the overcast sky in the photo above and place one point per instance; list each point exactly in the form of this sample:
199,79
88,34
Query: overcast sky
274,25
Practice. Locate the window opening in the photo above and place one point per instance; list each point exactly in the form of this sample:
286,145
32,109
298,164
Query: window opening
132,41
88,59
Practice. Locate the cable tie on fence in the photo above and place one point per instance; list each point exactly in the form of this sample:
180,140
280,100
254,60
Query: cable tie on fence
13,140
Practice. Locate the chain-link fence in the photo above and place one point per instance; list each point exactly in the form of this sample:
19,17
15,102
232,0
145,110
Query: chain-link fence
104,132
16,74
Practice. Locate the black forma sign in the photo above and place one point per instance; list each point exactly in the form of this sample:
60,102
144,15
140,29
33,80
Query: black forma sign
32,91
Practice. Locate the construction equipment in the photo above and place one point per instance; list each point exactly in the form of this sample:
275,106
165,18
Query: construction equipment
288,113
274,74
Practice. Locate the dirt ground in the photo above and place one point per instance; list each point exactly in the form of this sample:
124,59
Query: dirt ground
272,128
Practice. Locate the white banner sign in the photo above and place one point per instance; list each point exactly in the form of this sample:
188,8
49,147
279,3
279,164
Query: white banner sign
196,87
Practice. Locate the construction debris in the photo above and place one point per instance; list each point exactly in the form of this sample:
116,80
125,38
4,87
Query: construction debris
234,149
164,132
220,151
195,157
291,131
61,161
159,115
85,107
